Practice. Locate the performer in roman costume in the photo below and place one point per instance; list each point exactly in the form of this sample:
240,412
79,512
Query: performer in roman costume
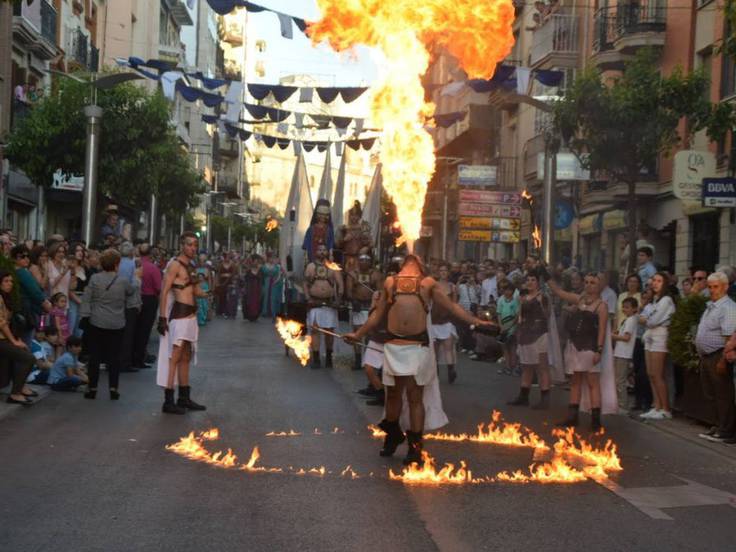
408,364
354,238
178,327
323,287
588,353
320,231
443,330
360,284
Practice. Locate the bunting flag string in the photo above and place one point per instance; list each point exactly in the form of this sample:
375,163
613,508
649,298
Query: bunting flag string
355,143
279,92
223,7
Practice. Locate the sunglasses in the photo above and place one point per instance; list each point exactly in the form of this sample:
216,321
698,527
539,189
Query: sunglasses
699,278
22,256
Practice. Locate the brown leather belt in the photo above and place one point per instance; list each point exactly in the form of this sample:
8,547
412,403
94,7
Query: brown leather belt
182,310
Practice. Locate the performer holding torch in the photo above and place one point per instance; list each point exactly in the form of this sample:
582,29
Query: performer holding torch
322,287
360,285
409,362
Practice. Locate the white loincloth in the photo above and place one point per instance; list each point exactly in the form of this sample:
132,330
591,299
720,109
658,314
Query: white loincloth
180,330
322,317
408,360
371,357
358,318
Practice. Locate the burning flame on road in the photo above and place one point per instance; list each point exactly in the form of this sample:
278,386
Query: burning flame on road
428,473
478,34
572,459
290,433
271,225
290,332
537,237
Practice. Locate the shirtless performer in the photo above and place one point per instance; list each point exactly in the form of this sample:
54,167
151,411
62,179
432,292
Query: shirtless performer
359,287
443,330
177,324
323,288
354,238
408,362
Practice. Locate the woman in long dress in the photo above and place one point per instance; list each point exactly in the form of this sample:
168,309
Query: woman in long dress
273,287
227,283
252,289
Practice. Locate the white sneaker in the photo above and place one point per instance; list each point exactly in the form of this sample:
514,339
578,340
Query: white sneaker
658,415
666,415
649,414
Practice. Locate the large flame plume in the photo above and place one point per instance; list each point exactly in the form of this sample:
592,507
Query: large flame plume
477,34
291,333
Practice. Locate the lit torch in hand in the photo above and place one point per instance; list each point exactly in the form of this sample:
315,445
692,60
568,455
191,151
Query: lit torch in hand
271,224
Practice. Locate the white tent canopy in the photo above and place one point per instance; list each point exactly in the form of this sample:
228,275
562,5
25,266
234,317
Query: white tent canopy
372,205
293,231
338,205
326,188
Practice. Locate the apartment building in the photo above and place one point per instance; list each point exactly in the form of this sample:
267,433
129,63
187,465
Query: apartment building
569,35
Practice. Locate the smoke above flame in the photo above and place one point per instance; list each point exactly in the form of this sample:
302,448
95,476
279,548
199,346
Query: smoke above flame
477,34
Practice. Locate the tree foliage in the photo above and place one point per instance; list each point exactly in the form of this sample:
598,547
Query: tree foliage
251,231
139,151
618,129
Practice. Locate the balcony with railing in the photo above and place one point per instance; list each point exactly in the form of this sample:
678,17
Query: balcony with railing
621,30
34,27
78,51
556,43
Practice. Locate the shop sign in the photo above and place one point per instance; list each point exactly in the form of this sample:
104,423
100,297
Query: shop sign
481,196
506,237
477,175
488,223
719,192
474,235
614,220
488,210
590,224
69,182
568,167
690,168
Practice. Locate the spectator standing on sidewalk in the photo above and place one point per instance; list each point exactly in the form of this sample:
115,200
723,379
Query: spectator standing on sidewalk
104,304
624,339
655,346
127,271
717,325
150,291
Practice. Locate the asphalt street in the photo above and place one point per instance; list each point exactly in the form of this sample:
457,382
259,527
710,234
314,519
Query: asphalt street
83,475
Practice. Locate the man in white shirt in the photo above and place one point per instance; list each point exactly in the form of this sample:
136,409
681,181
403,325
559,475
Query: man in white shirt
609,296
489,290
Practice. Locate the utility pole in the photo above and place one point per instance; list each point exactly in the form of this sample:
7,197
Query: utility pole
550,184
153,222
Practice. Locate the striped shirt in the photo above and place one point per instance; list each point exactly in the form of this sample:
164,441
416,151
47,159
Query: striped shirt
716,325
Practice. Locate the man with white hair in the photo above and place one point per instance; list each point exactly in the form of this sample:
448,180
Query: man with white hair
716,326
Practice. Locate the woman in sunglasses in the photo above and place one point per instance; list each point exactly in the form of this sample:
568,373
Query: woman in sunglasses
588,354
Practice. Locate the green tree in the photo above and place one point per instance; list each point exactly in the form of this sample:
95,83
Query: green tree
619,129
139,151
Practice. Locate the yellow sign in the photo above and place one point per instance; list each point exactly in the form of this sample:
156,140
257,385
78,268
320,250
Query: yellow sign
474,235
478,223
487,223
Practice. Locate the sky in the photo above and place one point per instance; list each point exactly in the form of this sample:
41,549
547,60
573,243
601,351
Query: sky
287,57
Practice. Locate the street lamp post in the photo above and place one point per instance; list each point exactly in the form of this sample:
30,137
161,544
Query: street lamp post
89,200
153,222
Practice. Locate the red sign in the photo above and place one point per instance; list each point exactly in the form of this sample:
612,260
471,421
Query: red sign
483,196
